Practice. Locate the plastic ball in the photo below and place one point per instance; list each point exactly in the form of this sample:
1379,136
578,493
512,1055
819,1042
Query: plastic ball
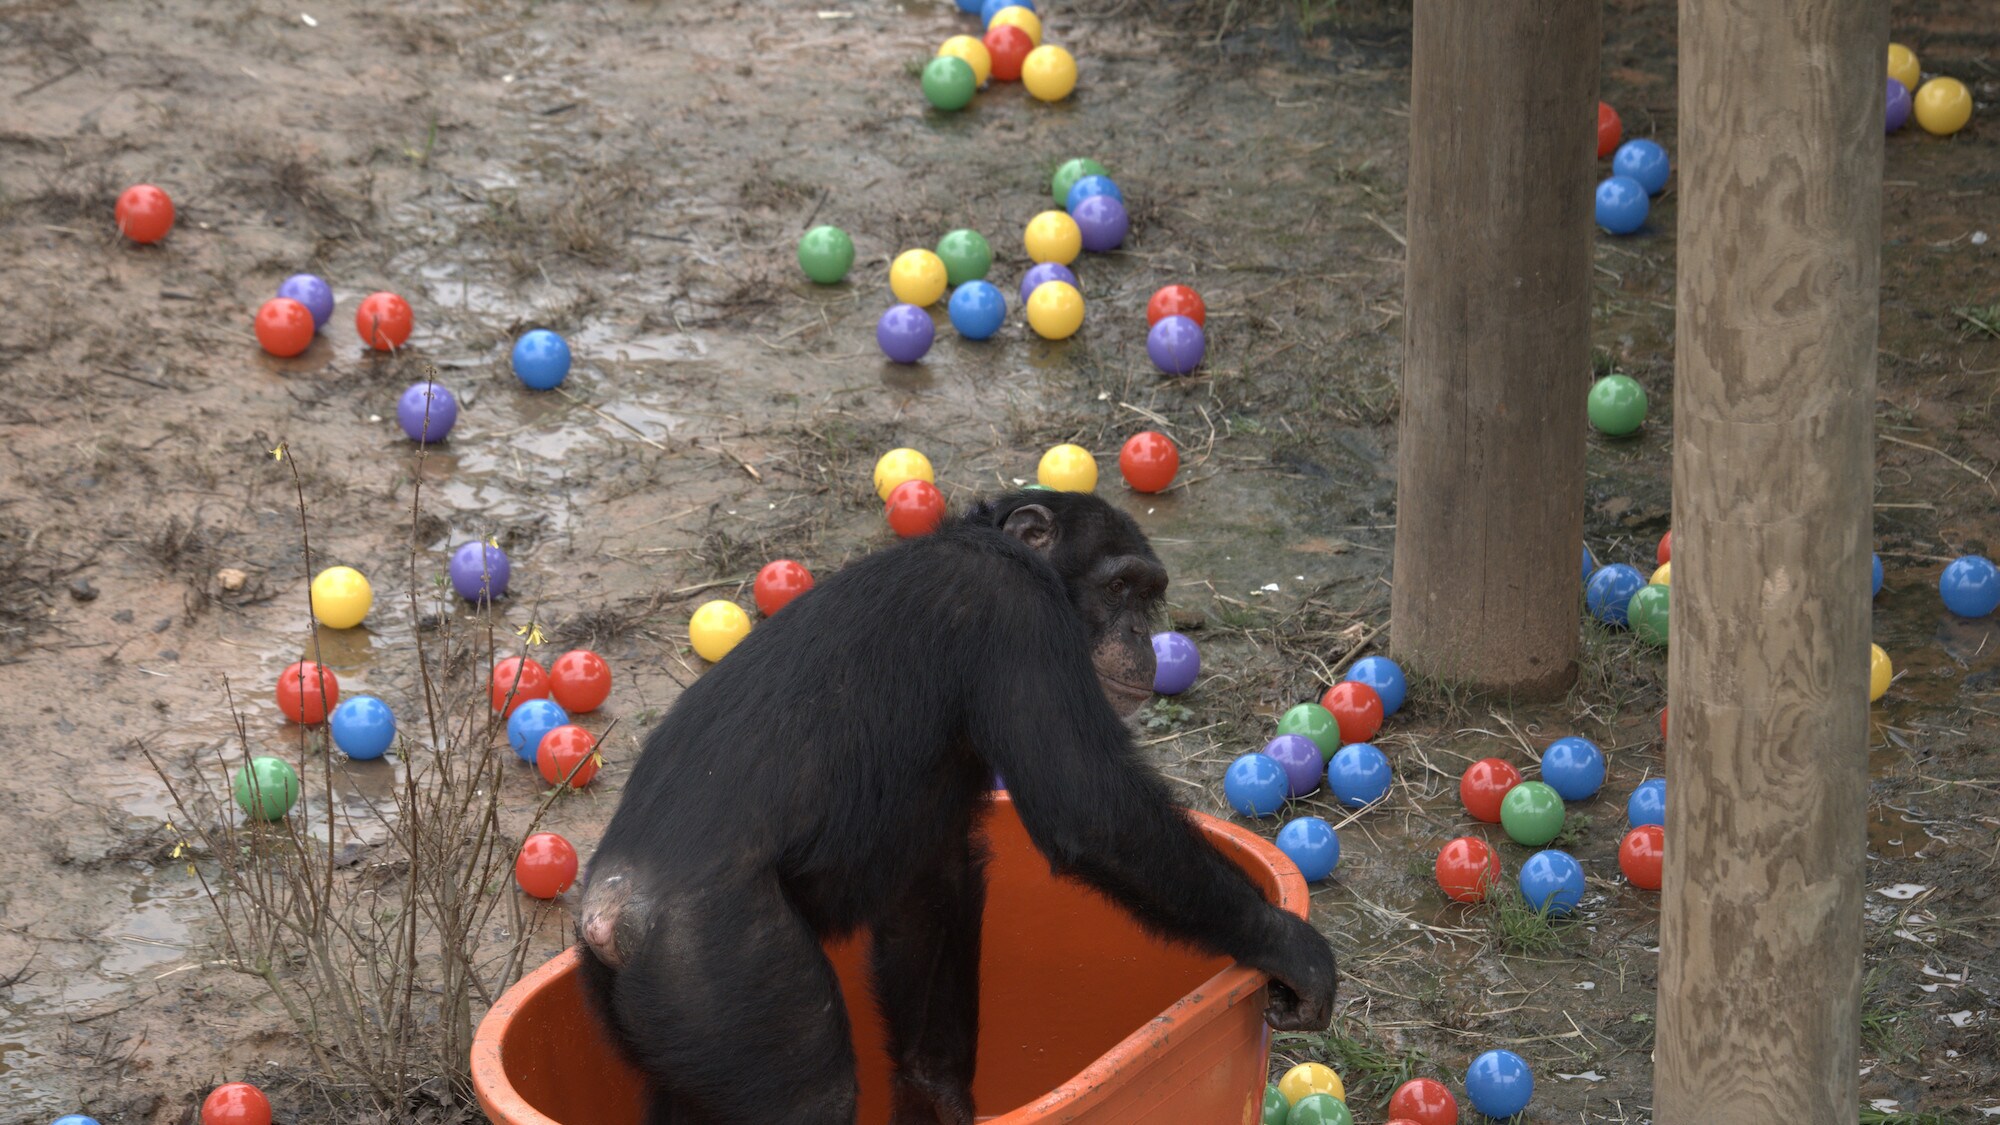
1942,106
546,866
1016,15
313,292
1642,856
1647,613
1621,204
1970,586
1301,760
307,692
973,52
1896,104
1610,591
1046,272
1484,785
1875,564
1617,405
479,571
284,327
1309,1078
716,627
905,332
977,309
1277,1109
1176,663
966,255
427,411
1089,187
1662,576
1610,131
144,213
1052,237
826,254
1320,1109
529,722
1254,785
516,680
990,8
778,583
1574,768
1149,461
1532,813
1055,310
1176,344
580,681
266,788
899,465
1466,869
1009,47
1385,676
1176,300
1356,708
1552,882
1311,844
1664,553
1049,73
1647,804
1903,66
363,727
949,83
1359,775
1101,223
1880,673
236,1103
341,597
1499,1084
567,752
1425,1101
1644,161
1069,172
1316,723
384,321
75,1119
1068,468
914,508
541,359
918,277
1663,722
1589,564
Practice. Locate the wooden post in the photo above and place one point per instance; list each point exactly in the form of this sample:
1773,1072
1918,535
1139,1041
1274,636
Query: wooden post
1780,185
1496,352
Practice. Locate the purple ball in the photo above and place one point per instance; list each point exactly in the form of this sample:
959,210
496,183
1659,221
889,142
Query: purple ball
905,333
1101,220
477,568
427,411
1301,760
1176,663
317,296
1176,344
1896,111
1047,271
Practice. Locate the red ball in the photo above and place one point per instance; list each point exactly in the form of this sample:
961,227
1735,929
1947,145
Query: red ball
1356,707
1149,461
1176,300
1642,854
546,866
778,583
384,321
521,676
1665,553
144,213
284,327
1008,45
915,508
1466,867
307,693
1663,722
237,1103
1609,130
580,681
1424,1101
1485,785
565,749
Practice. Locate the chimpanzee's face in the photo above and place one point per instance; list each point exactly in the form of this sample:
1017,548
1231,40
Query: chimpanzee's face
1115,582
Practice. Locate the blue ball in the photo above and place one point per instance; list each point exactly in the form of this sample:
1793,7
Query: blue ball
1970,586
541,360
1386,677
75,1119
978,309
1255,785
1878,575
530,721
1312,844
1647,804
970,7
1645,162
1610,589
1359,774
1087,186
363,727
1499,1083
1621,205
1589,564
1551,880
992,8
1574,768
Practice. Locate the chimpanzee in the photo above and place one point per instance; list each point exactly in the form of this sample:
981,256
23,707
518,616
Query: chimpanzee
830,774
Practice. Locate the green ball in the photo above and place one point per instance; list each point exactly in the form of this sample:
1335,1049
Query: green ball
1532,813
949,82
825,253
1036,488
1646,613
966,256
1320,1109
1276,1108
1070,172
1316,723
1617,405
267,788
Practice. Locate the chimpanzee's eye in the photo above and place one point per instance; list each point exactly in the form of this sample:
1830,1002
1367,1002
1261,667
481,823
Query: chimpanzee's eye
1116,587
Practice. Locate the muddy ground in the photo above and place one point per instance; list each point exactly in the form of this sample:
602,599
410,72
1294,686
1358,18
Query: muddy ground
634,175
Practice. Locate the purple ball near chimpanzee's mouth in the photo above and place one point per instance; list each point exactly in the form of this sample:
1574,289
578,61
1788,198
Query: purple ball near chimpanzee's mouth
1176,662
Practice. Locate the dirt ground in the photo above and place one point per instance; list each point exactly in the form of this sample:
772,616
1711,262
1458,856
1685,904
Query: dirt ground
635,175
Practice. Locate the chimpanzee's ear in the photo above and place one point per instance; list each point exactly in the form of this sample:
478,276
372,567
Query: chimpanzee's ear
1034,525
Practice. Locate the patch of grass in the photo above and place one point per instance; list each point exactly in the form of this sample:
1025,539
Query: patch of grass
1982,319
1575,827
1889,1035
1872,1116
1520,930
1370,1069
1166,715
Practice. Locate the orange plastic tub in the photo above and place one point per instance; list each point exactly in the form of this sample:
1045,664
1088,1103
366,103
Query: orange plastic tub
1083,1017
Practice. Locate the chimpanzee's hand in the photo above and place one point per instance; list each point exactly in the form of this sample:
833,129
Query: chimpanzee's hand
1304,981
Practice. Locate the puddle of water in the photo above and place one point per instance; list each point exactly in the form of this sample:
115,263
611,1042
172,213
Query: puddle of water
1893,835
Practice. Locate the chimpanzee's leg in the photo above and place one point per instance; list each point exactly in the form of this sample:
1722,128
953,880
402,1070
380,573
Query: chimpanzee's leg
926,973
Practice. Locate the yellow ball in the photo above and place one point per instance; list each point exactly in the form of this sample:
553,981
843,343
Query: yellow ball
1049,73
973,52
1880,672
899,465
1052,236
1311,1078
1942,106
1055,310
341,597
1016,16
1903,66
917,277
1663,576
1068,468
716,628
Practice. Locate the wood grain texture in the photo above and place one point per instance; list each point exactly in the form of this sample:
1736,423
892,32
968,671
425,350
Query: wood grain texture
1496,352
1780,173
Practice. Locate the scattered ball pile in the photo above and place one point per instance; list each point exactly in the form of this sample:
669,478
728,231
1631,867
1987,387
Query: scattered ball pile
1011,50
1941,105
